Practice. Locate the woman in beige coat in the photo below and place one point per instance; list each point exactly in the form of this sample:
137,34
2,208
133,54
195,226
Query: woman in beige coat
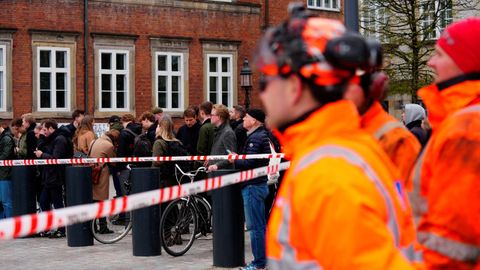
104,147
83,136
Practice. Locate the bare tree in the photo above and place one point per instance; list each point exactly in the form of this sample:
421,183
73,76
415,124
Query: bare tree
408,29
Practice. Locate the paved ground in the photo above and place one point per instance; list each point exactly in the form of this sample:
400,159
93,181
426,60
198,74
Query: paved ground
44,253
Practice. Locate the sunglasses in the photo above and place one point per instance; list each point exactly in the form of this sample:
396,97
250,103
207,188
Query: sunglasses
265,80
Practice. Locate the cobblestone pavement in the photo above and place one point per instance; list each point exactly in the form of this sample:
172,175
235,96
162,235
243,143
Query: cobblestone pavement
44,253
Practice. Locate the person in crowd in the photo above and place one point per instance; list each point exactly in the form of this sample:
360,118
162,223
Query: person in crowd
130,131
147,119
337,207
16,129
53,176
224,141
207,130
399,144
413,116
256,191
236,122
21,133
7,151
158,113
104,147
77,117
29,124
189,132
84,136
114,122
446,191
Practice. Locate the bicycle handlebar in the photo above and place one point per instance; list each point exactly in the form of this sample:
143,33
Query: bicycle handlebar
190,174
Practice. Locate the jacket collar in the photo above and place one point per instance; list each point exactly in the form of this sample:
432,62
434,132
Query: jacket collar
442,103
333,119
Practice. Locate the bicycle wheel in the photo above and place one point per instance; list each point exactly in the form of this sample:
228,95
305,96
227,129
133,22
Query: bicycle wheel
204,216
111,229
177,227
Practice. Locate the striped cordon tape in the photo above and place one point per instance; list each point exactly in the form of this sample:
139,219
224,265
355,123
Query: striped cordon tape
30,224
80,161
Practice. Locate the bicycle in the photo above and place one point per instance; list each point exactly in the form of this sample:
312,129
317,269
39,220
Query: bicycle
185,219
114,227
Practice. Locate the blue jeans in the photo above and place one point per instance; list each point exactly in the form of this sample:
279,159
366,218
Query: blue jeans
6,198
254,207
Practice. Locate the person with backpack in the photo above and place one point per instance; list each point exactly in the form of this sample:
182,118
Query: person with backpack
167,145
126,143
84,136
53,176
7,151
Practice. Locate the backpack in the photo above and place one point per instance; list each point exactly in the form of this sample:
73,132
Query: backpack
176,149
142,146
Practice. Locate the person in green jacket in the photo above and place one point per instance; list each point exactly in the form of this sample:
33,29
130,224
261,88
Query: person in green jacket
7,151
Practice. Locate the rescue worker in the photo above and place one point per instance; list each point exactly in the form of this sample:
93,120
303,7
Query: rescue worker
397,141
446,191
337,207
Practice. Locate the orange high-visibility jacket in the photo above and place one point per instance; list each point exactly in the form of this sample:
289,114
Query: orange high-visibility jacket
397,141
337,207
446,183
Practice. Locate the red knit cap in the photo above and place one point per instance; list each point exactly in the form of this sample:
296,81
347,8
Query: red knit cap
461,41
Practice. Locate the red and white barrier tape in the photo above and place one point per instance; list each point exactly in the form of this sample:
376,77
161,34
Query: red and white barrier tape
30,224
80,161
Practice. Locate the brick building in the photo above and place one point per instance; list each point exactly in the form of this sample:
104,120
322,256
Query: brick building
137,53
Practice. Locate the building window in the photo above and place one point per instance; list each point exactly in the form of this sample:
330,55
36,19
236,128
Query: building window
3,78
169,80
374,19
53,79
114,80
436,15
219,79
324,4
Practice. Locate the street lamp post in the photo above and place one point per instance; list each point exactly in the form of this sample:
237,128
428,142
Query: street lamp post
246,81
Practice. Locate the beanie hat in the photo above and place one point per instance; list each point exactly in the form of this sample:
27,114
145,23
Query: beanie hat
258,114
461,41
114,119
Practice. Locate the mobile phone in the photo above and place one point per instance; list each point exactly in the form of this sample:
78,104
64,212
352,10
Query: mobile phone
228,151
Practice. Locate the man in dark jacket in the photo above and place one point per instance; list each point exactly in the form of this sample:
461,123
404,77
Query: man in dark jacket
7,151
77,117
188,133
254,192
236,122
53,176
149,125
126,143
207,130
29,124
224,141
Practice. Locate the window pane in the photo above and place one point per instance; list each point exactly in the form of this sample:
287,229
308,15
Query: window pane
213,98
310,2
60,58
212,63
106,100
225,64
162,83
335,3
175,83
1,56
61,99
1,83
162,62
1,99
327,3
175,100
61,80
121,61
120,100
213,84
225,84
225,99
120,82
319,3
44,80
175,63
106,59
44,58
44,99
162,100
106,82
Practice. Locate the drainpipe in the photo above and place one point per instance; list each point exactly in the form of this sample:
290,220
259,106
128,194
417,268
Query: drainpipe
266,21
351,14
85,54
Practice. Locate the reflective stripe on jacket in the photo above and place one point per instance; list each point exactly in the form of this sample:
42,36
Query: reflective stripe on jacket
400,144
446,192
337,207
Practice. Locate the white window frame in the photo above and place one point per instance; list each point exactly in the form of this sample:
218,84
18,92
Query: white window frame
219,74
429,20
323,6
371,24
169,73
114,72
53,70
3,69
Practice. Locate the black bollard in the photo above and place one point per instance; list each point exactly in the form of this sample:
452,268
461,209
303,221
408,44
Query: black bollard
23,190
78,190
228,225
146,221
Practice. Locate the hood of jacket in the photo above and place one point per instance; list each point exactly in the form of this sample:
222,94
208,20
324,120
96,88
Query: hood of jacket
413,112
